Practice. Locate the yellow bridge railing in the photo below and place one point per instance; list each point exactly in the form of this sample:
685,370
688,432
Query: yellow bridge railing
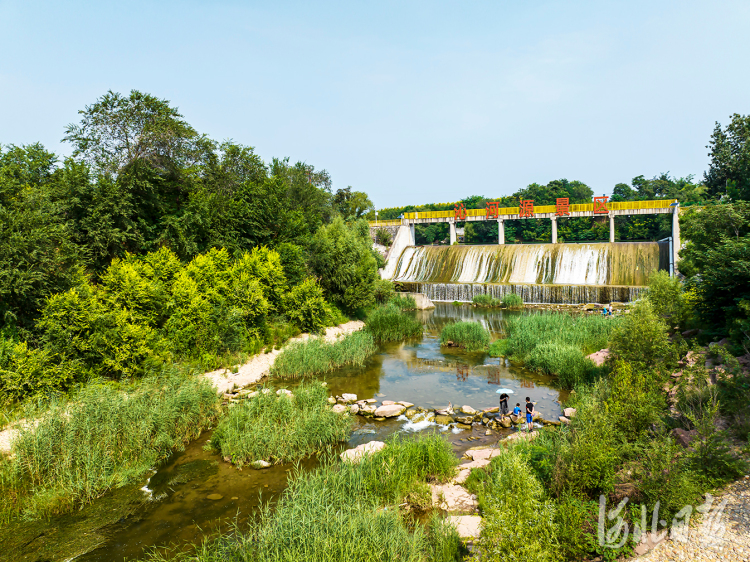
510,211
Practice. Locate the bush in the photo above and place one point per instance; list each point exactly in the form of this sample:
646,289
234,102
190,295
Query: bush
635,402
305,306
512,300
470,335
101,438
388,323
641,337
519,522
666,297
314,355
277,428
565,361
383,290
383,237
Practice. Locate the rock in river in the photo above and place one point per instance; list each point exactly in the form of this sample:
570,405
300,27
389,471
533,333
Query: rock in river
390,411
214,497
259,465
349,398
443,420
339,409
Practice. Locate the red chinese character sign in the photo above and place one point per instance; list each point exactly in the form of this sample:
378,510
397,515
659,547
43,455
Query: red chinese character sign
493,211
460,212
562,207
526,208
600,205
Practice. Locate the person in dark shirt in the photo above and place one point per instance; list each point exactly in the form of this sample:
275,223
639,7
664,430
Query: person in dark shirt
529,413
504,404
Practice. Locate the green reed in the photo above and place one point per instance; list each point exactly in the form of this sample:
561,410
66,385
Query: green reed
470,335
315,355
388,323
512,300
278,428
344,511
404,302
99,439
486,300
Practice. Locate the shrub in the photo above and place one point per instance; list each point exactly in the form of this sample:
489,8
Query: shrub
666,297
383,290
635,402
517,516
314,355
305,306
277,428
293,261
586,465
388,323
512,300
383,237
470,335
101,438
265,266
565,361
641,336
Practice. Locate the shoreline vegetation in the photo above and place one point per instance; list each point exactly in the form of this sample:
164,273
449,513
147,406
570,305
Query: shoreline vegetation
471,336
279,427
372,511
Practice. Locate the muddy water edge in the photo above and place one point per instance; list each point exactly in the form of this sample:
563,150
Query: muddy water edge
196,493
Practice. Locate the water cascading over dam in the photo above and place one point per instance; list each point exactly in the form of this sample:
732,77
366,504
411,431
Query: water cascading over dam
539,273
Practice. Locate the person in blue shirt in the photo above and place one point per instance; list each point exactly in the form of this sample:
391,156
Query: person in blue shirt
517,409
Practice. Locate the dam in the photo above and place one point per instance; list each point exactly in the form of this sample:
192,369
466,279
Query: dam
539,273
551,273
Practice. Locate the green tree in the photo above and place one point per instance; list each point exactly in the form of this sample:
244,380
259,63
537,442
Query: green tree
729,171
341,256
352,204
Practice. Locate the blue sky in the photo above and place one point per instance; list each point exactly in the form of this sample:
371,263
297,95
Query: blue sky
412,102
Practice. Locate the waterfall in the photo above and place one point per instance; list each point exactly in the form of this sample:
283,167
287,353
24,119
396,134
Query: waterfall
539,273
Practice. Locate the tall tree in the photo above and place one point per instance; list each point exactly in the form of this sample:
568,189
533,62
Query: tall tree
729,171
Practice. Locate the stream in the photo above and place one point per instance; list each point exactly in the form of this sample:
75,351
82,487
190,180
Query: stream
195,493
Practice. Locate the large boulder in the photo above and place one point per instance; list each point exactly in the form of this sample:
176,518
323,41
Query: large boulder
468,410
599,357
339,409
354,409
349,398
368,410
467,526
504,422
443,419
354,455
390,411
464,419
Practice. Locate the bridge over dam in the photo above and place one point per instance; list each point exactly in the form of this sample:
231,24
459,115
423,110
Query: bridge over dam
570,273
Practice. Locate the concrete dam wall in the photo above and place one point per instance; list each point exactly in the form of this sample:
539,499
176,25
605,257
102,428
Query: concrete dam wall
539,273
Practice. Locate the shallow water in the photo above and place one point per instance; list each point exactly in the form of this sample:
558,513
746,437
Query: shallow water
175,504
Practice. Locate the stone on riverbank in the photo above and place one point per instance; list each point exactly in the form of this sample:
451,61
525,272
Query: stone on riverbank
468,410
339,409
390,411
467,526
569,412
354,409
599,357
260,465
453,498
349,398
354,455
443,419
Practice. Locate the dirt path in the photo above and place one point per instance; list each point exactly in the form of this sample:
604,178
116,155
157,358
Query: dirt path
249,373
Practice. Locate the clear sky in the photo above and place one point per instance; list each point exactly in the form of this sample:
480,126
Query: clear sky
412,102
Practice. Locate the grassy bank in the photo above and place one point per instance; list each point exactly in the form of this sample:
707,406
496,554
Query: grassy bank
277,428
351,512
556,344
99,439
314,355
472,336
388,323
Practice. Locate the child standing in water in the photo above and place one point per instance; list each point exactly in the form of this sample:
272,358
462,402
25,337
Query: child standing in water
529,413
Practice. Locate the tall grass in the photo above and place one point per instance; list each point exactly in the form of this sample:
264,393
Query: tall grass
278,428
404,302
486,300
388,323
512,300
556,344
100,439
587,333
470,335
351,512
314,355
